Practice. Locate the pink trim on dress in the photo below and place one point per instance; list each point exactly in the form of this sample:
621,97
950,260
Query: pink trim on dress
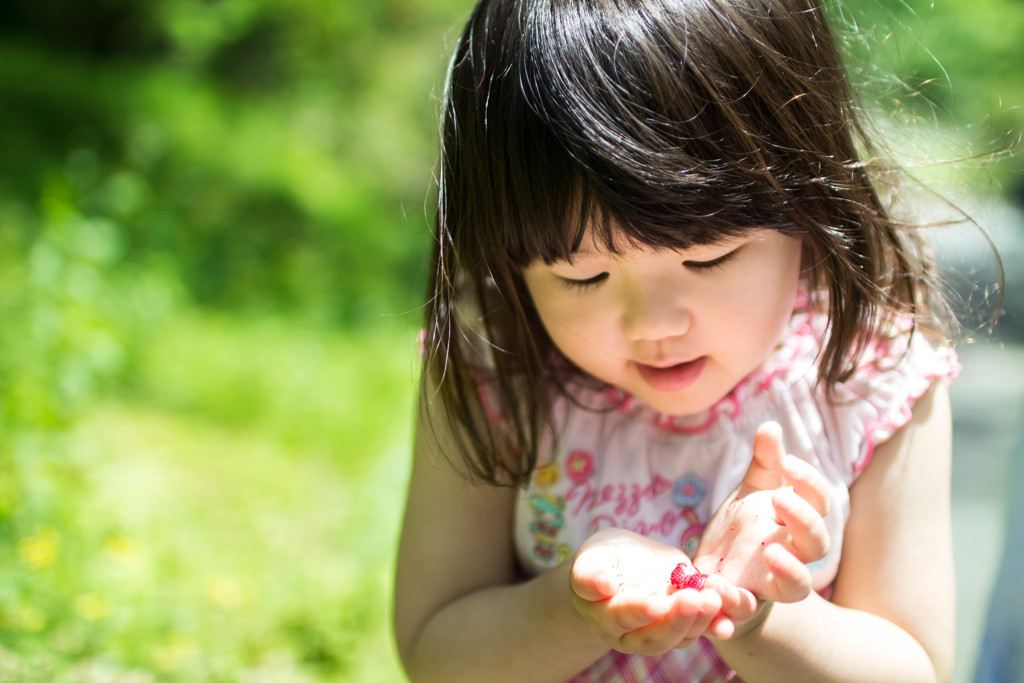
669,421
947,372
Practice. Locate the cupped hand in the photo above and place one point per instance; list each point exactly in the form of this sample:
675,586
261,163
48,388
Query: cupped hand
765,532
620,586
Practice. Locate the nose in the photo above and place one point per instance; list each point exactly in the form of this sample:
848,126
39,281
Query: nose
654,311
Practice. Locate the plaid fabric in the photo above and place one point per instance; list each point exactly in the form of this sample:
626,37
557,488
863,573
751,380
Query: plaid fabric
698,663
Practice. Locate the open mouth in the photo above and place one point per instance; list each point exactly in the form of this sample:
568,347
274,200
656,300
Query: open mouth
672,378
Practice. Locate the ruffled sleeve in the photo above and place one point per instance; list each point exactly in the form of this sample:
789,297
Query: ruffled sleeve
869,407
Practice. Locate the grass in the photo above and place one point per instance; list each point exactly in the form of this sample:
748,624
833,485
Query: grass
235,519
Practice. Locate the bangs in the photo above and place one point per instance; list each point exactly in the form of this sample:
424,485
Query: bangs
660,123
586,211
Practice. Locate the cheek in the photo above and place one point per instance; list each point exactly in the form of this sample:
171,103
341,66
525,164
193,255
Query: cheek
755,302
573,325
566,310
581,333
773,285
554,313
759,309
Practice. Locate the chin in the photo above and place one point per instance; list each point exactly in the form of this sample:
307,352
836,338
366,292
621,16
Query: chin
692,400
680,406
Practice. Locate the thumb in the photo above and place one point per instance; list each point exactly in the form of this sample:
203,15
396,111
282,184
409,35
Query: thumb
765,470
594,572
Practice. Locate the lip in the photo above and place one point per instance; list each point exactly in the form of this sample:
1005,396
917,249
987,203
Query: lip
674,377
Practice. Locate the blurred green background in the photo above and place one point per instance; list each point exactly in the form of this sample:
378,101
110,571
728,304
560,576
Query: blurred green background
214,218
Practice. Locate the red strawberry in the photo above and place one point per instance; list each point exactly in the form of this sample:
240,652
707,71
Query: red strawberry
687,576
678,577
695,581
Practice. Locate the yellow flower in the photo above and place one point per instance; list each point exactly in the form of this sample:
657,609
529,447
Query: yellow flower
225,592
121,549
39,551
91,607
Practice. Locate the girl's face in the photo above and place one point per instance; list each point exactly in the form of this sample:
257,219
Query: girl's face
676,329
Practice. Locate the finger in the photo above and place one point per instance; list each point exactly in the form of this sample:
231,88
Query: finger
595,574
710,606
700,624
808,536
808,482
737,603
722,627
654,640
790,578
765,470
597,587
690,612
634,610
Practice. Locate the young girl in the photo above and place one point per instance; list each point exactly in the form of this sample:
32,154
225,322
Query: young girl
662,264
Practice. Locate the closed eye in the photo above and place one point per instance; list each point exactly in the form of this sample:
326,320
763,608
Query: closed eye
713,263
587,283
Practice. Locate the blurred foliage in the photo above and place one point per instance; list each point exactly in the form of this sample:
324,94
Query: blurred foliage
948,70
272,150
237,525
212,232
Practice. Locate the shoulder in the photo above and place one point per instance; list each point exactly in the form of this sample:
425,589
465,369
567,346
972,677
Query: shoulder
894,371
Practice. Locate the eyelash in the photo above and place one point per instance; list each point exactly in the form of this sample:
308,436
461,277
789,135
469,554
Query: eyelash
715,263
692,265
588,283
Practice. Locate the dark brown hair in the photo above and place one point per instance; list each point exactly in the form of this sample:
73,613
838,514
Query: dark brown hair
672,122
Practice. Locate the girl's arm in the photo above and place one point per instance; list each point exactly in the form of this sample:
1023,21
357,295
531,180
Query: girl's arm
460,613
892,618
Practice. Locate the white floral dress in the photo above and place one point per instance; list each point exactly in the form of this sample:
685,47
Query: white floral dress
626,465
